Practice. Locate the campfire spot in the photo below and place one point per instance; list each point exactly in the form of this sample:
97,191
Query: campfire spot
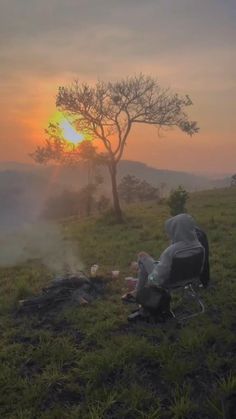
63,291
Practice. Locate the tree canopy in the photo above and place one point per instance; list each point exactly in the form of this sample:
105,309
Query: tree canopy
105,113
108,110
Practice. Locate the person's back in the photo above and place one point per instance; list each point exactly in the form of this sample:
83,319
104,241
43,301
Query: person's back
205,274
181,231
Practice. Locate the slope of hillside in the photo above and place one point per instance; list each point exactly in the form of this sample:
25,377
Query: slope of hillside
88,362
171,178
76,177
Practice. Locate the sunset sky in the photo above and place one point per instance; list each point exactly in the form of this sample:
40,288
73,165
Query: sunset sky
189,45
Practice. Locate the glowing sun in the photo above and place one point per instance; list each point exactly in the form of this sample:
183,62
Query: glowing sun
67,130
69,133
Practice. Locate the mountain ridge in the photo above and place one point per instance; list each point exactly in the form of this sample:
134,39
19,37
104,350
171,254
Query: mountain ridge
76,177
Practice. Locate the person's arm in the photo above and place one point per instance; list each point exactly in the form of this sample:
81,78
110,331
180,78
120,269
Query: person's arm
161,271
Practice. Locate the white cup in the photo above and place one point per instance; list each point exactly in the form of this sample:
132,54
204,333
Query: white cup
115,274
94,270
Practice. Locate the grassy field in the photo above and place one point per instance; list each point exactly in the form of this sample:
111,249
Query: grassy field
90,363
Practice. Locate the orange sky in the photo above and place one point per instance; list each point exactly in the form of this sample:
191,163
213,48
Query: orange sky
189,48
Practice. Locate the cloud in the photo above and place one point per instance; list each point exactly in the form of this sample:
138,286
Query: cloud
91,37
188,45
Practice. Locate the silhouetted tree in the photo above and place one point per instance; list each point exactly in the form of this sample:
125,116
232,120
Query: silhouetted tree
65,204
103,204
177,200
132,189
72,203
127,188
68,203
107,112
87,199
163,190
147,192
233,180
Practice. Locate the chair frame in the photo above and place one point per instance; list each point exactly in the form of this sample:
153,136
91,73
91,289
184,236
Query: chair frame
187,285
190,289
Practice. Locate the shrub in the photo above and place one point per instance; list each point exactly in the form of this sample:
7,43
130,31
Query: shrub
177,200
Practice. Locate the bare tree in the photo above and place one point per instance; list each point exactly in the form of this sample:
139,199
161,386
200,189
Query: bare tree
107,112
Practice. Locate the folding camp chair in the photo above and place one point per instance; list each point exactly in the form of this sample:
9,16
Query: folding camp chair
184,276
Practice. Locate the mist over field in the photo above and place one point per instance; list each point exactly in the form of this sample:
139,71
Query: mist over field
24,233
39,240
24,191
21,183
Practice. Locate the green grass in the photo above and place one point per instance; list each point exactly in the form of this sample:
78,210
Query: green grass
95,365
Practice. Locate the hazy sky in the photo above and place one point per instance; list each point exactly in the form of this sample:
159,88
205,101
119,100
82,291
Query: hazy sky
188,44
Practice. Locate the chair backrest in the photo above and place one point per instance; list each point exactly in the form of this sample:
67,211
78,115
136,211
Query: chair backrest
185,269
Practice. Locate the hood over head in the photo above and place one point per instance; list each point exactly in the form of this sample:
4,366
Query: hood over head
181,228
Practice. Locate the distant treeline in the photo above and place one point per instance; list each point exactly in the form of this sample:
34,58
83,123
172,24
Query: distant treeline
90,200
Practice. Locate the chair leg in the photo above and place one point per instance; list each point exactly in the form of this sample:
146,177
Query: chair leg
173,313
195,295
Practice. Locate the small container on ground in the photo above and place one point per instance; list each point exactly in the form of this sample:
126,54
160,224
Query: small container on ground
94,269
131,283
115,274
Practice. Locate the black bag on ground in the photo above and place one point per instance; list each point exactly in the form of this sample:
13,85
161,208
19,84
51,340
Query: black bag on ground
154,299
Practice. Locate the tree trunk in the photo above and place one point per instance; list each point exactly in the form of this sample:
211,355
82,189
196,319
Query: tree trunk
116,201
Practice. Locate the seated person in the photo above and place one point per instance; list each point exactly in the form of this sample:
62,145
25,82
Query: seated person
152,275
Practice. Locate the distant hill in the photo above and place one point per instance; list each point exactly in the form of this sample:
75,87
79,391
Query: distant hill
221,183
76,177
170,178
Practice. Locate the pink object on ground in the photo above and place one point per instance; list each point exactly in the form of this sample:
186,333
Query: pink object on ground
131,282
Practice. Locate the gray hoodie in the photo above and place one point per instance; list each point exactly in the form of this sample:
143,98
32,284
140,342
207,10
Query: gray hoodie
184,242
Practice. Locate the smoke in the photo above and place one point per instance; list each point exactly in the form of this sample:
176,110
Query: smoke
24,235
42,241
